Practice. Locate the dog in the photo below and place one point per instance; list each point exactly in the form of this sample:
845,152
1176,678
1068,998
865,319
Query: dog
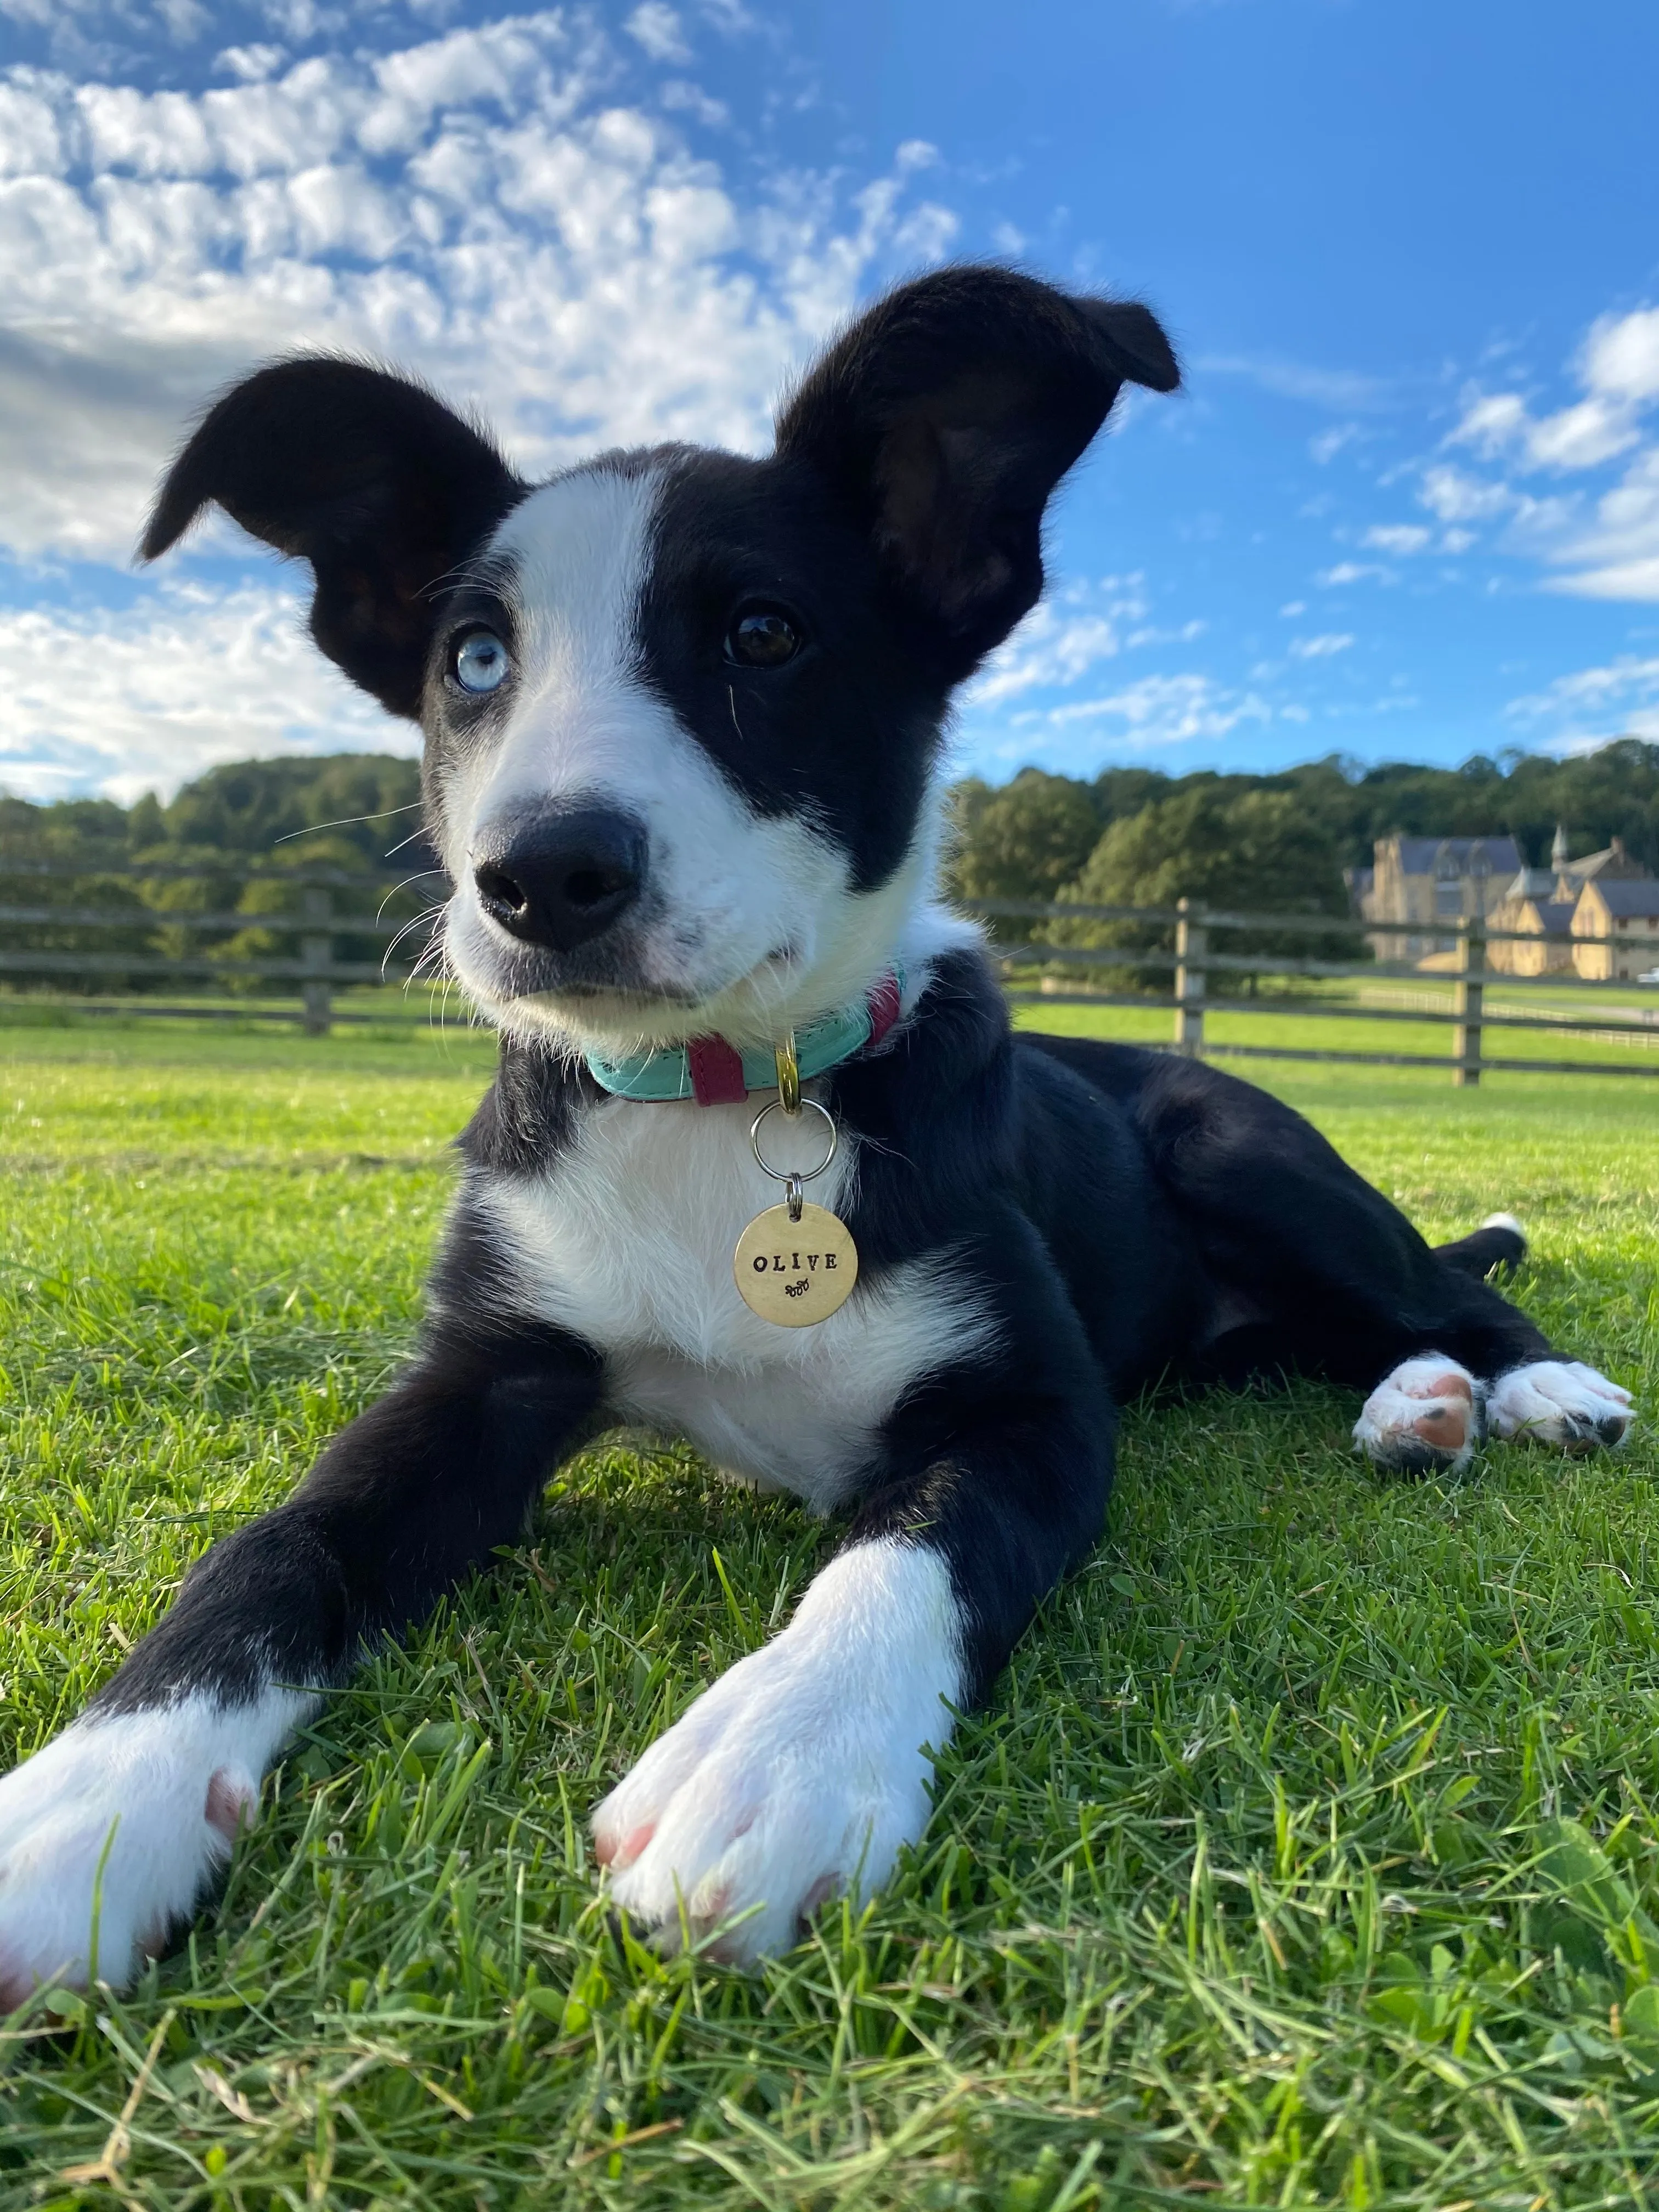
685,716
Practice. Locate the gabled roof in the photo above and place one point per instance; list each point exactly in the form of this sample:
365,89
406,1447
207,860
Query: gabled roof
1419,855
1624,896
1610,861
1555,915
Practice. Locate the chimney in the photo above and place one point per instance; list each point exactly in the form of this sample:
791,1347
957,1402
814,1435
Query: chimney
1558,849
1617,846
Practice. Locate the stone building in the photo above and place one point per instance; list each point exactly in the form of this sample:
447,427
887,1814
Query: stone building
1629,905
1554,905
1549,920
1420,881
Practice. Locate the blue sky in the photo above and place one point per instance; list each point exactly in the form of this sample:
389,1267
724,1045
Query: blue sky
1407,508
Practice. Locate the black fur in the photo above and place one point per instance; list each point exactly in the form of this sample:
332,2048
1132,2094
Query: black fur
367,477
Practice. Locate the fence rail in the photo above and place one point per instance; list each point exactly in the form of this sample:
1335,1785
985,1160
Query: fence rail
314,930
1190,959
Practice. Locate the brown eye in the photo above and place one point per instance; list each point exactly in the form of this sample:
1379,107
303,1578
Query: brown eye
762,638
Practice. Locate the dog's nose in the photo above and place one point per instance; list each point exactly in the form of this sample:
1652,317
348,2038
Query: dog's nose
566,879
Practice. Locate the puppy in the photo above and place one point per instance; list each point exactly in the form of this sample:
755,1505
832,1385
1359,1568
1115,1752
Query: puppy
684,715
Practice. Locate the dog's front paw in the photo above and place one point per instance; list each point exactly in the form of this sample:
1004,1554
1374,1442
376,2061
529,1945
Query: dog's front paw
1424,1419
110,1833
801,1773
1561,1402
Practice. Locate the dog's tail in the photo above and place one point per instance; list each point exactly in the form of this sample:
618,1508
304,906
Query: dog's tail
1499,1243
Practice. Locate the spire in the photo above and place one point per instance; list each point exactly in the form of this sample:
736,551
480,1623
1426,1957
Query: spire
1558,849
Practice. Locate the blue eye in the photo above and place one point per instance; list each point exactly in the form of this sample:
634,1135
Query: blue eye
480,662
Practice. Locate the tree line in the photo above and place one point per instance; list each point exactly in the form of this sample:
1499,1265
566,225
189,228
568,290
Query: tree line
1130,836
249,830
1133,836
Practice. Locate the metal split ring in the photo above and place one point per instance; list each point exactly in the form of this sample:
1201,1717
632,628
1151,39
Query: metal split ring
790,1175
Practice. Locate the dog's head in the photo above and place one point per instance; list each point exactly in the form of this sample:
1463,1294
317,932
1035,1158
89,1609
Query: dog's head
683,709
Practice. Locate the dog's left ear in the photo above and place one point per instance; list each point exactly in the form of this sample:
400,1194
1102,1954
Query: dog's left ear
945,416
368,477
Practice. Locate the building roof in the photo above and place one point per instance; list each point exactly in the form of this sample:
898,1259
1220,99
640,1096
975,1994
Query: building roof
1532,883
1613,861
1419,855
1626,897
1555,915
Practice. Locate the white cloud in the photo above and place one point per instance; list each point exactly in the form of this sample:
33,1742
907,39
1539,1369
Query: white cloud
1618,679
1351,572
1618,370
1291,608
1398,537
1455,496
1341,389
1616,555
1591,706
681,97
252,64
656,27
142,700
1491,422
1611,551
1621,357
1166,710
1323,646
1327,444
1060,641
474,206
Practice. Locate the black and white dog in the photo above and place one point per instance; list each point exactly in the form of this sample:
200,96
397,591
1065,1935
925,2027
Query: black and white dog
683,716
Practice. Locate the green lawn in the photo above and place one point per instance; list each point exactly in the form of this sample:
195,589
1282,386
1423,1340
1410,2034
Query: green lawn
1309,1855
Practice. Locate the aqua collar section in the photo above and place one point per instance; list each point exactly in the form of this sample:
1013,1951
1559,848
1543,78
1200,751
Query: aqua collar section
715,1073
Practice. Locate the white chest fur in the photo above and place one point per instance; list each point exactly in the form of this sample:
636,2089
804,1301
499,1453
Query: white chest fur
629,1243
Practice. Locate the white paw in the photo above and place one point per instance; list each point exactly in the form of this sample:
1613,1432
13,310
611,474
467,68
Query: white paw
801,1772
1424,1418
110,1833
1561,1402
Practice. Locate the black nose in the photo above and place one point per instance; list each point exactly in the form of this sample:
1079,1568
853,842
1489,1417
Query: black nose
564,878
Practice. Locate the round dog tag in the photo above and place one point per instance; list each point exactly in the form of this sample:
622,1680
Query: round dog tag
795,1272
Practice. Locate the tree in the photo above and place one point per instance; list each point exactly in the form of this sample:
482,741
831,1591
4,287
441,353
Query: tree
369,799
1255,850
1021,842
1026,840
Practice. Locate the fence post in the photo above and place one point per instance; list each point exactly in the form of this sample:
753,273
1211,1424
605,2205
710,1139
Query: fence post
317,905
1192,943
1467,997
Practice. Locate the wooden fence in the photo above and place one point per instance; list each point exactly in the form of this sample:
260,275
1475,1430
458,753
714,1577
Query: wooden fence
314,927
316,923
1191,960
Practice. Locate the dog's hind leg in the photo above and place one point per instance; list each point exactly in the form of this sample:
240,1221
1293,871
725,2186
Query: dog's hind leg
110,1833
1339,1282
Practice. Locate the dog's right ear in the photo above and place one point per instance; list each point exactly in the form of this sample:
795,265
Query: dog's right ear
371,479
944,416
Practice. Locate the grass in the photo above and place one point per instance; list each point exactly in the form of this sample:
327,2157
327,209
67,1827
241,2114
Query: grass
1290,1018
1309,1854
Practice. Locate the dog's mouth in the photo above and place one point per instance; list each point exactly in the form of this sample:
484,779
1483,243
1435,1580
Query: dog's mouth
620,999
764,979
